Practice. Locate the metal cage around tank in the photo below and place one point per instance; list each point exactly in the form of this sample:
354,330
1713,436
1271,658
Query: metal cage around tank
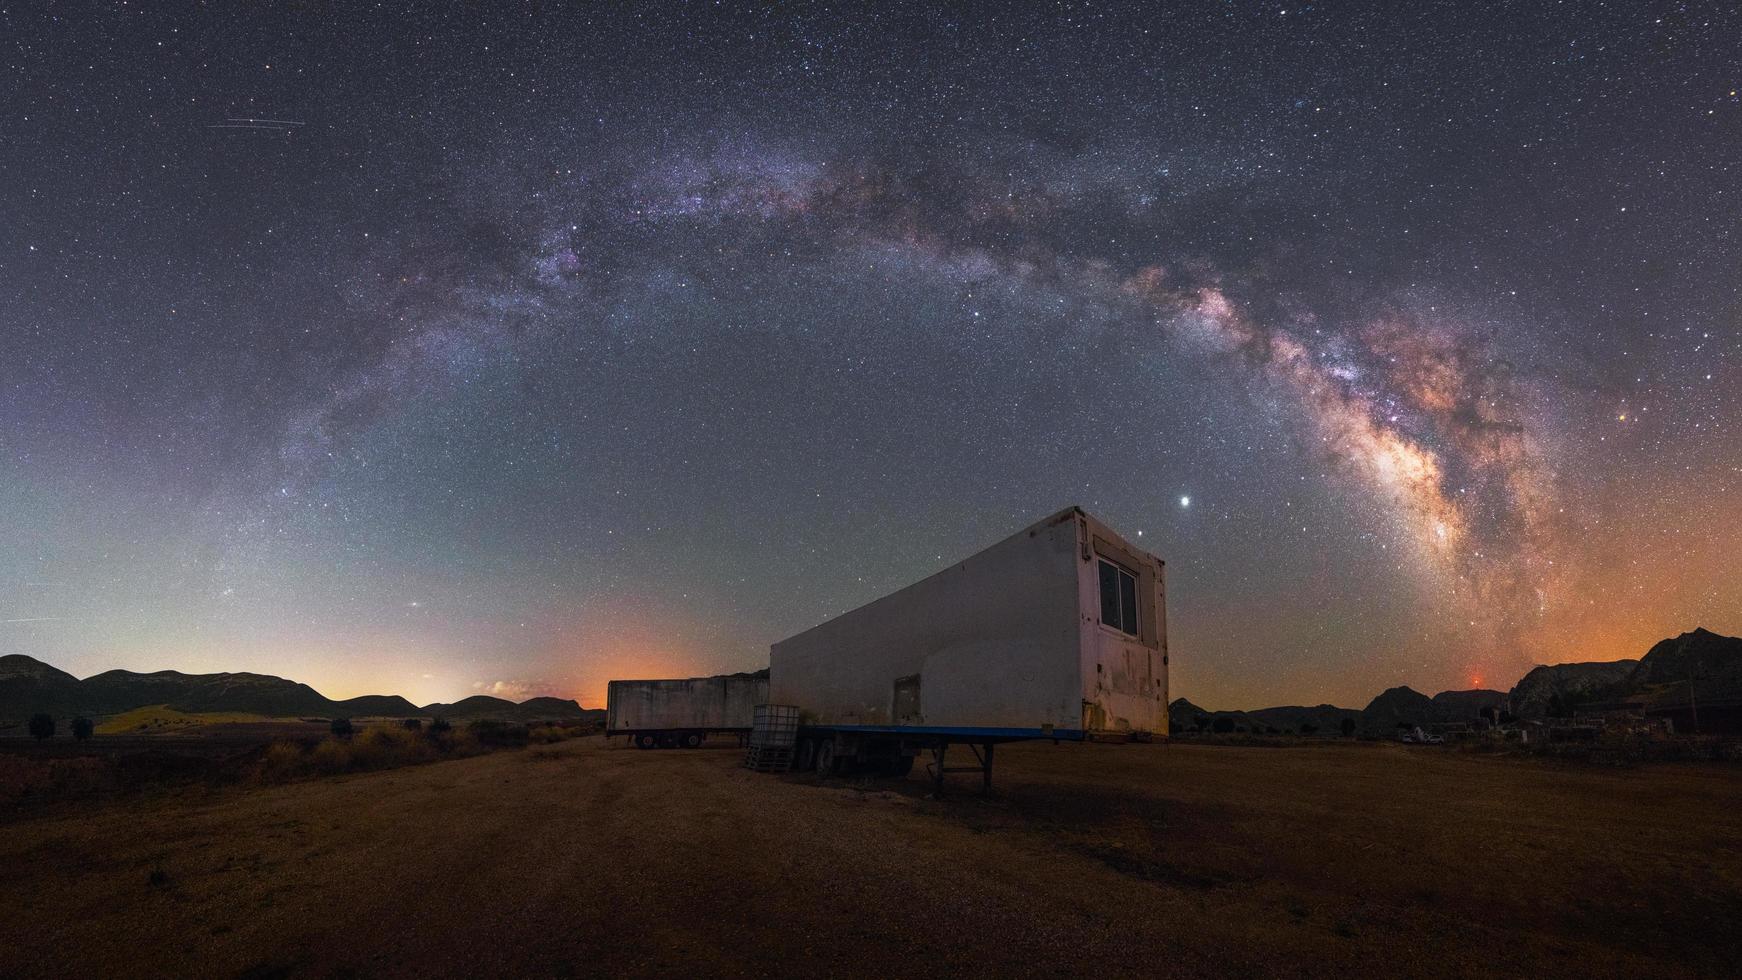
773,732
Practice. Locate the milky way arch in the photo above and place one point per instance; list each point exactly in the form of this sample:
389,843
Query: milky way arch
1412,406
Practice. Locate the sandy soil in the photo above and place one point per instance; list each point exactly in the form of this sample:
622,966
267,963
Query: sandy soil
1179,860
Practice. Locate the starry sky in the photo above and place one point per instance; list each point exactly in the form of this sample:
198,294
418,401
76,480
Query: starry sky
508,349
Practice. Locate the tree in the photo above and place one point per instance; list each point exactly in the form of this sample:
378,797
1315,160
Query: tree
82,728
1308,728
438,725
415,724
342,727
1222,726
1348,727
41,726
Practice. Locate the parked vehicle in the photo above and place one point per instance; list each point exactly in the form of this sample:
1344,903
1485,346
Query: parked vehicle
1057,632
683,712
1415,736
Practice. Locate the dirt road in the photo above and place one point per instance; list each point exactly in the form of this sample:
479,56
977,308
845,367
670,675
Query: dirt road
1108,860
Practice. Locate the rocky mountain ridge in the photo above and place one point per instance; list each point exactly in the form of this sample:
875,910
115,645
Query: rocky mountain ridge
1662,677
28,685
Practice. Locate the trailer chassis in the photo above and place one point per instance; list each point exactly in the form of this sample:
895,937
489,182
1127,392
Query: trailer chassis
842,750
675,738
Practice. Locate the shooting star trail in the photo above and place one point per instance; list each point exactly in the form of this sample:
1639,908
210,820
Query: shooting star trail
34,619
249,122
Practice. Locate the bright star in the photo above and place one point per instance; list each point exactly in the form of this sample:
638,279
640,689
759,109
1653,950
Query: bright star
1185,501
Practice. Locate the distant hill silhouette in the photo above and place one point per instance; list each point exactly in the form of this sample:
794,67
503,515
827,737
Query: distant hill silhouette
1549,686
1296,719
379,706
1712,661
1707,661
1398,705
1458,705
33,686
500,709
1325,718
260,694
1674,672
28,685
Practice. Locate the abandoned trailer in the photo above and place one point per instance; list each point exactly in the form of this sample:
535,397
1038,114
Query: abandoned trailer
665,714
1057,632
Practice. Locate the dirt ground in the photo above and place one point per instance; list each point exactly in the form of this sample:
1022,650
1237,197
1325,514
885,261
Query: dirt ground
1163,860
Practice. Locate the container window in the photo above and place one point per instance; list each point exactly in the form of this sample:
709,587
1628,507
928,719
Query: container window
1118,598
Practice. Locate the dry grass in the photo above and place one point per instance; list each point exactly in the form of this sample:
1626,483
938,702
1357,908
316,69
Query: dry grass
23,777
375,747
1113,860
161,718
551,734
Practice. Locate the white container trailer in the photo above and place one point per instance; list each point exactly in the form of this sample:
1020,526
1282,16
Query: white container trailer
683,712
1059,631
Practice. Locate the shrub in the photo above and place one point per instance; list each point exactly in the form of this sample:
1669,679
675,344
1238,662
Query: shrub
342,727
1222,726
413,724
82,728
1348,727
41,726
548,734
459,744
1308,728
374,748
383,746
498,733
439,725
283,760
331,756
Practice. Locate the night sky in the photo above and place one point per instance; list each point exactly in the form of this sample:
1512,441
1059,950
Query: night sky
509,350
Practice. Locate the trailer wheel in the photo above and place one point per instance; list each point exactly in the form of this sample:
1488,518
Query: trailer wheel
827,762
807,755
690,740
646,740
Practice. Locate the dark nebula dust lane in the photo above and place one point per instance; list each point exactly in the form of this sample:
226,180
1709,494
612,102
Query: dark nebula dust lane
581,344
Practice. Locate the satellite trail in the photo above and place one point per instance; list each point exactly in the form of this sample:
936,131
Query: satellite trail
277,125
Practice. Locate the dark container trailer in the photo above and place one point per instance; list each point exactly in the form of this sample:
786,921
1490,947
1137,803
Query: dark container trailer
683,712
1057,632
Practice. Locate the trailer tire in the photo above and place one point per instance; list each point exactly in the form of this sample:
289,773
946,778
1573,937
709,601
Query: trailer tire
690,740
828,763
646,740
